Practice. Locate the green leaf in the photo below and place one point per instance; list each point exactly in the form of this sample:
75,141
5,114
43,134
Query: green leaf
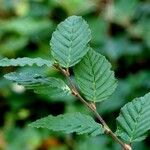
94,77
133,122
69,42
5,62
40,84
69,123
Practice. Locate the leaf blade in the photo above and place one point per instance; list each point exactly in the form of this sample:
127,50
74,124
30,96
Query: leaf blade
70,40
94,77
40,84
69,123
133,122
5,62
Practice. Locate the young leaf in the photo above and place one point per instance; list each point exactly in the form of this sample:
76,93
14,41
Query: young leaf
41,85
69,42
94,77
133,122
69,123
5,62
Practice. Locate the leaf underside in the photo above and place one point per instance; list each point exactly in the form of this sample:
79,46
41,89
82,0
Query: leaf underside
5,62
69,123
42,85
69,42
94,77
133,122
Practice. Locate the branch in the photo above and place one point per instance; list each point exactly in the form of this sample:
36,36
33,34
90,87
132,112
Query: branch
92,107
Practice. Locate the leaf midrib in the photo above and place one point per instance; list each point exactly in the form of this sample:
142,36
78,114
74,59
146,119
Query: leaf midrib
94,79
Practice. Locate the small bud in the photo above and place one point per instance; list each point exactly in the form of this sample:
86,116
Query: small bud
128,147
74,93
93,105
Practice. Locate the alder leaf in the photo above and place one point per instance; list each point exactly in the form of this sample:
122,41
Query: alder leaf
5,62
94,77
133,122
42,85
69,123
69,42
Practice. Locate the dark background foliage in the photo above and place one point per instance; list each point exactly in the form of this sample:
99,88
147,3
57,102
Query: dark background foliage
120,31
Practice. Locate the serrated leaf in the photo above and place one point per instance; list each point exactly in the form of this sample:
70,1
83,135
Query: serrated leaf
69,42
69,123
40,84
94,77
133,122
5,62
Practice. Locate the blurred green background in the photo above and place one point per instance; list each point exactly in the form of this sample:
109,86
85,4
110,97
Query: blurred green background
120,31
